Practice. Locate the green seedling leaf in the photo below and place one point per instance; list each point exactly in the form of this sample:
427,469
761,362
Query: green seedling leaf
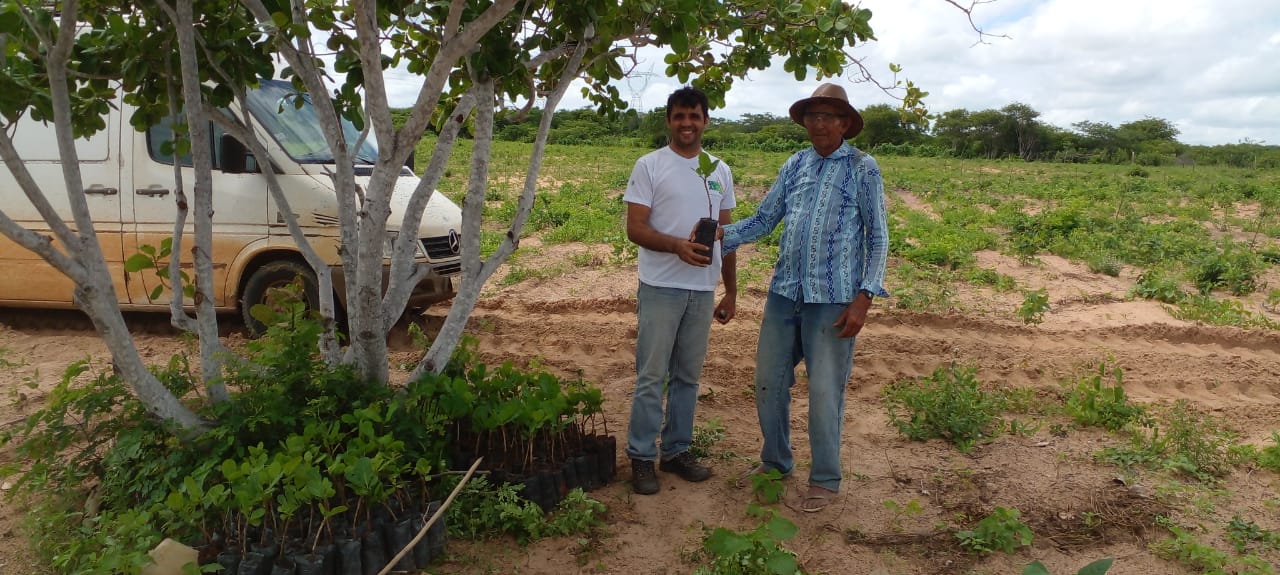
724,542
1098,567
138,262
781,528
782,564
706,166
1035,568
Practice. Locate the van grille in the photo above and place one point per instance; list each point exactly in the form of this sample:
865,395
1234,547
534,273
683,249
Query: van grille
324,220
451,268
440,247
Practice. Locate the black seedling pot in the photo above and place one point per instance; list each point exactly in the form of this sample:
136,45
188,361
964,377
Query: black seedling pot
570,475
585,465
438,534
349,557
230,562
705,233
373,552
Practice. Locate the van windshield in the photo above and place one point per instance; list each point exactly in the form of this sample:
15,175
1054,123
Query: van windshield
291,120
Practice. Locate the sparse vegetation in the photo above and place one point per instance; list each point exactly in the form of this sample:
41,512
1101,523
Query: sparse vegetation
1181,441
1164,233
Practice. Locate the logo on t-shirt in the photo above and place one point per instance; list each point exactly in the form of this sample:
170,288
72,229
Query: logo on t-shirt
714,185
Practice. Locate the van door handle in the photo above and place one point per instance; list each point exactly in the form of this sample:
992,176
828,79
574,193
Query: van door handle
162,192
98,190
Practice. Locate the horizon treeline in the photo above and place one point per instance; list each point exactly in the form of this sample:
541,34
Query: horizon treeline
1011,132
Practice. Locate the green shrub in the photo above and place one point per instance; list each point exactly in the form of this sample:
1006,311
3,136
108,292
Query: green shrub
1185,549
1269,457
1002,530
949,404
1153,284
1244,534
996,280
1106,264
755,552
1234,268
705,437
1182,441
1220,312
1197,444
1094,403
1034,305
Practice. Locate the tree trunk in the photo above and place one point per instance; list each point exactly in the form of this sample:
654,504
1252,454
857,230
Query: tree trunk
83,260
474,274
202,251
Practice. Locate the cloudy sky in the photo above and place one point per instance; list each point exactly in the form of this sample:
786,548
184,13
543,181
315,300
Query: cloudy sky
1211,68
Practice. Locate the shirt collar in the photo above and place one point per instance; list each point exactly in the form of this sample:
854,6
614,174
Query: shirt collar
844,150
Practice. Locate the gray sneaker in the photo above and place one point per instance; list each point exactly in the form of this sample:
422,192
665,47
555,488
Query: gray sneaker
687,467
643,479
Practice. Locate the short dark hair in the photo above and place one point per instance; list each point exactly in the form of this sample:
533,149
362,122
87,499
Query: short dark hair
688,97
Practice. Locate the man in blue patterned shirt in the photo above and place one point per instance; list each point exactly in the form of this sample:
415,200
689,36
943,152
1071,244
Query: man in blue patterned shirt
835,240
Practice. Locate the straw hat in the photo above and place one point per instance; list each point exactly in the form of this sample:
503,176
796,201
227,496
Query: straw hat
829,93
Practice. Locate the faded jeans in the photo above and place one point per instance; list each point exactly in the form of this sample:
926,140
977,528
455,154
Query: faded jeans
792,331
671,344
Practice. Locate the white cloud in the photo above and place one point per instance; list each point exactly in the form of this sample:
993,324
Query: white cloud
1212,69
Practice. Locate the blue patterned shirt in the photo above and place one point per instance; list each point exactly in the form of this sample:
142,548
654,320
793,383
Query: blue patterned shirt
835,238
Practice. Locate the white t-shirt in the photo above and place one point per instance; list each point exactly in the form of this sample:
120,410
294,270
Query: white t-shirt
670,186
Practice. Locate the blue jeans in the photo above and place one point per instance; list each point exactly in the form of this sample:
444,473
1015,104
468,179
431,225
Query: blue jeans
671,344
792,331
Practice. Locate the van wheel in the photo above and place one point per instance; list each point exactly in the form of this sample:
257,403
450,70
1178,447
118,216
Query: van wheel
277,274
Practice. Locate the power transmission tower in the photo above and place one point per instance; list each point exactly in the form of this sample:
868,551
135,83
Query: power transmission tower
637,96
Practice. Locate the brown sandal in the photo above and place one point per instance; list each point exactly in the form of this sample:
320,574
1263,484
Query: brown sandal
817,499
744,480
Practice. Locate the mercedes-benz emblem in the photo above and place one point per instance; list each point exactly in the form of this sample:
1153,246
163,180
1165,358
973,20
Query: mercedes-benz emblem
455,241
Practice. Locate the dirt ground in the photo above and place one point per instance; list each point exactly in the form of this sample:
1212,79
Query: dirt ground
583,323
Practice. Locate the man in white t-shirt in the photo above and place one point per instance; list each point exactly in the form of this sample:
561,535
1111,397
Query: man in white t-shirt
665,198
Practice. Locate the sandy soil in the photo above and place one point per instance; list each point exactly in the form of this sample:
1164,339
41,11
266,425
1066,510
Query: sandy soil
583,323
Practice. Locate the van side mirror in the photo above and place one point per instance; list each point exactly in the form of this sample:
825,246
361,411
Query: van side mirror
233,155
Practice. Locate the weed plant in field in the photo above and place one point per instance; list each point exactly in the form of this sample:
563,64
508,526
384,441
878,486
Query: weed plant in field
1155,284
923,288
1268,457
902,511
1094,402
1182,441
1035,303
1213,311
1002,530
705,437
758,551
950,404
1234,268
1099,567
1183,547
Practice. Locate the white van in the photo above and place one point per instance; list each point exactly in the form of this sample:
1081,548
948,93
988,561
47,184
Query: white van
128,181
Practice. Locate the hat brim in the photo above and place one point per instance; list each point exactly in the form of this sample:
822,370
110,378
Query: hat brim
798,108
